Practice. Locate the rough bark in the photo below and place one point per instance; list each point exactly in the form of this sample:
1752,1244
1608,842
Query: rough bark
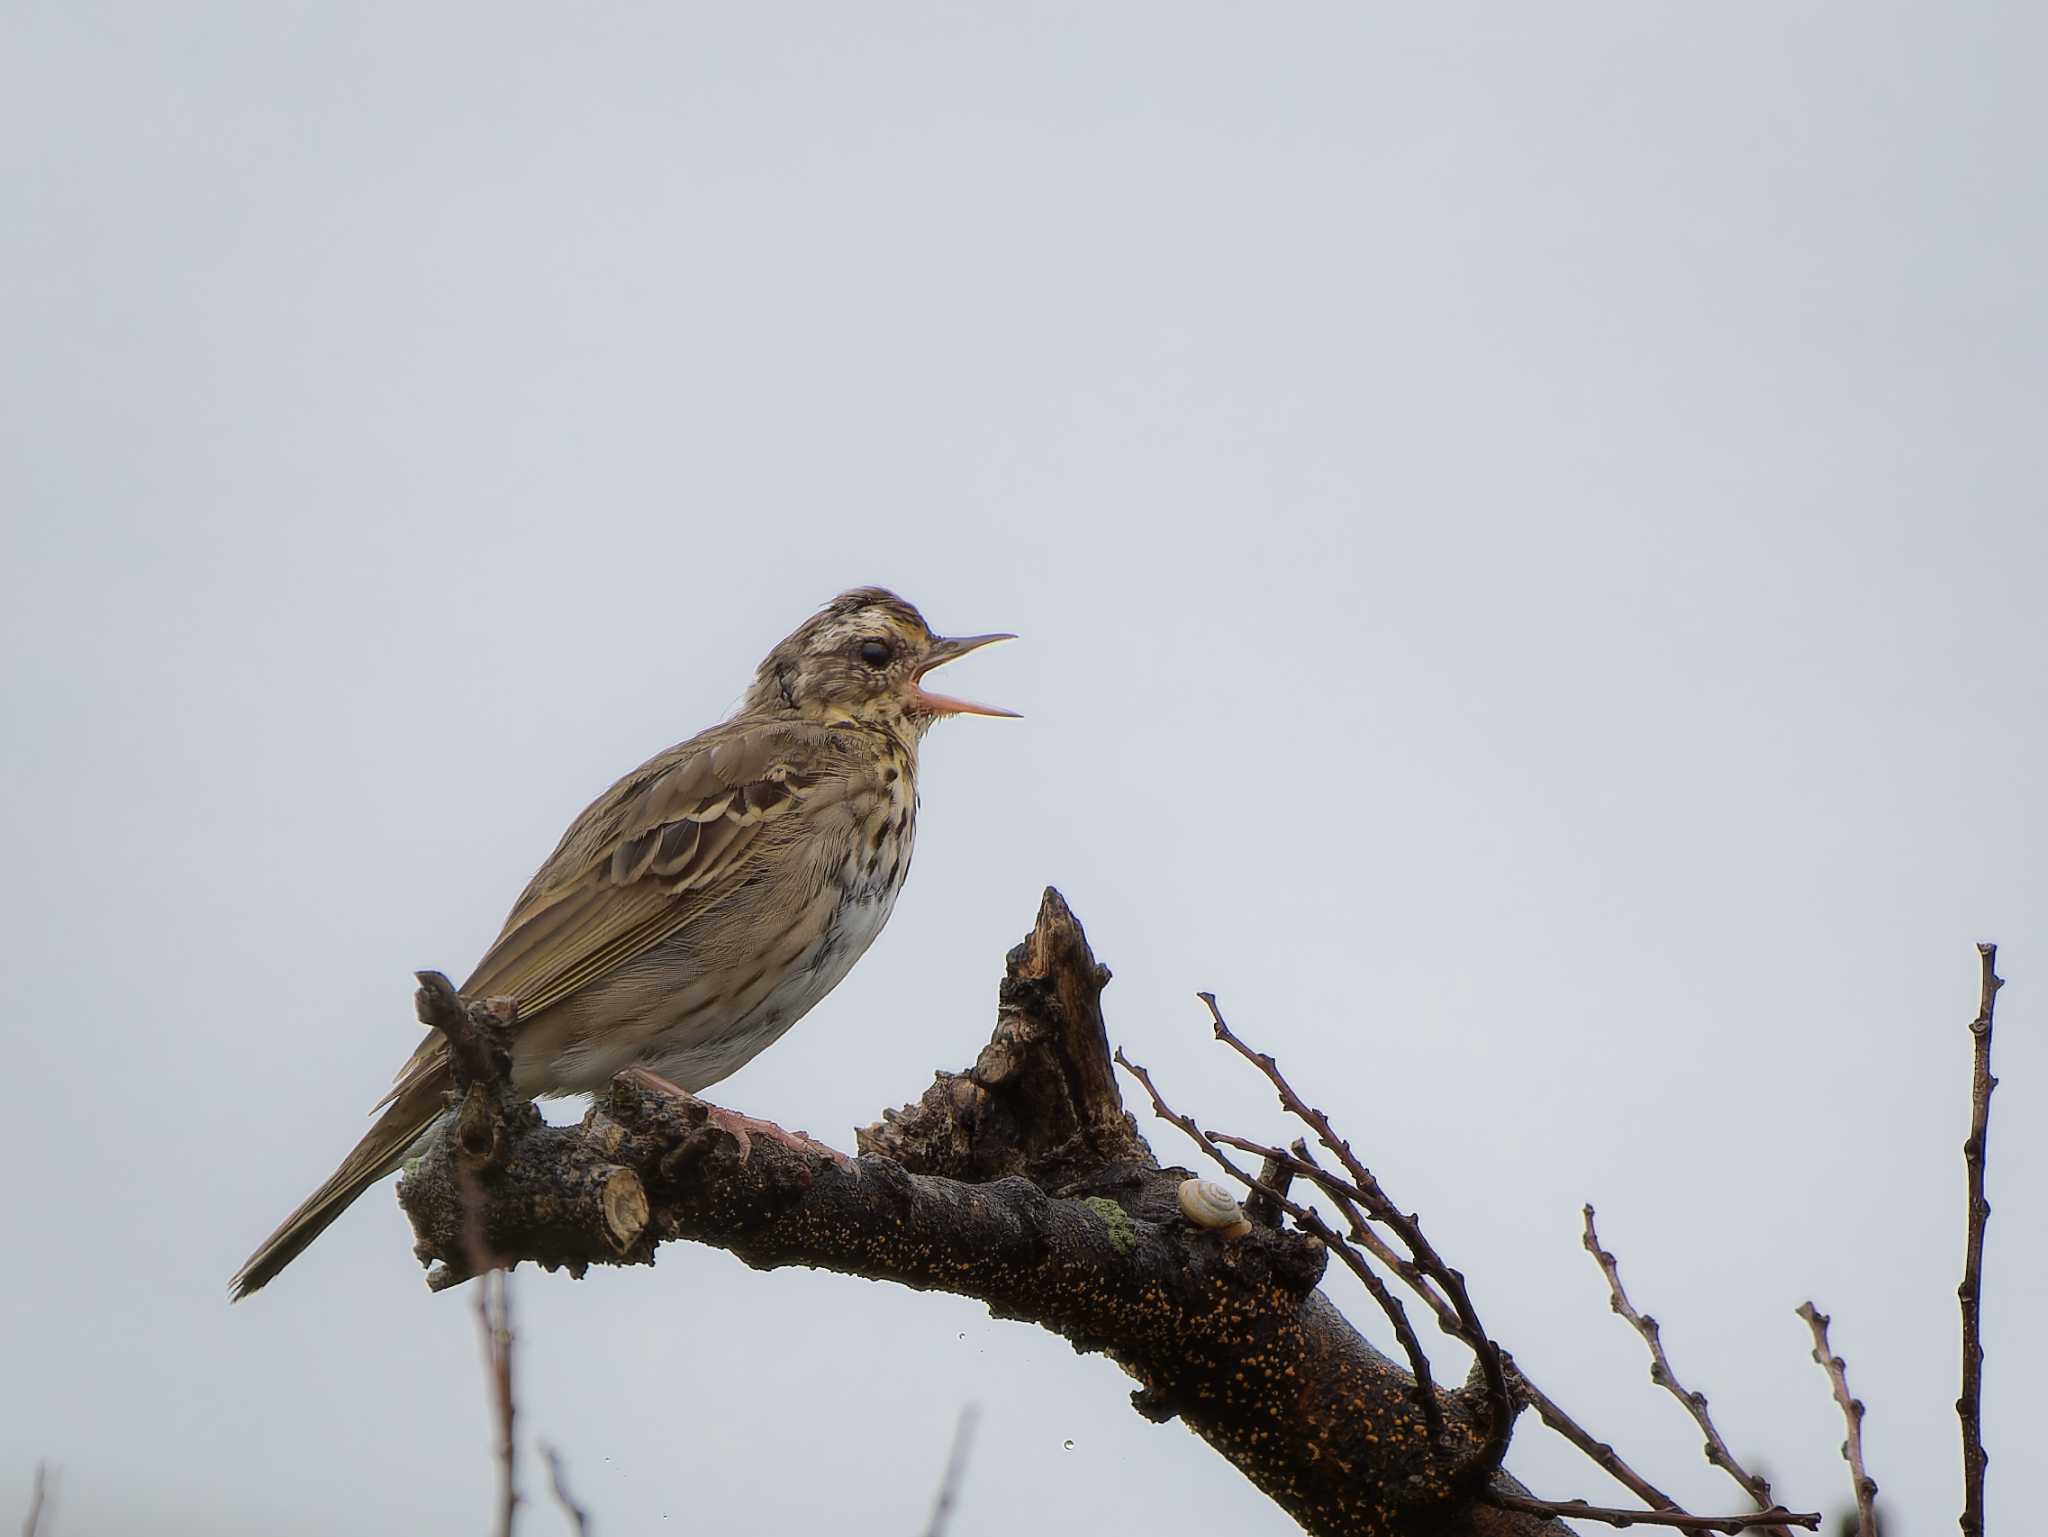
1021,1182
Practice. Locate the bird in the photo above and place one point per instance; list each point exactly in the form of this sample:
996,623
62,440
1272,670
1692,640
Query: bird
706,901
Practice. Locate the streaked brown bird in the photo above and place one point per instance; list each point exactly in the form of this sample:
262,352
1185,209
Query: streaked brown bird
704,903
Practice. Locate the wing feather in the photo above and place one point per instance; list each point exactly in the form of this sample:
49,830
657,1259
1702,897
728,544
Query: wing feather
644,860
647,857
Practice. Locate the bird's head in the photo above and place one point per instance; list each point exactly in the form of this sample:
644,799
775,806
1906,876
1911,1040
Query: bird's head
863,656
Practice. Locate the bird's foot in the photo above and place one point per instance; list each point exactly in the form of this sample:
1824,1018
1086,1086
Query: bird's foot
744,1128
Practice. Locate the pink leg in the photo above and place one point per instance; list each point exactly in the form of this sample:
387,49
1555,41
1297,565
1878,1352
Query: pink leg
744,1128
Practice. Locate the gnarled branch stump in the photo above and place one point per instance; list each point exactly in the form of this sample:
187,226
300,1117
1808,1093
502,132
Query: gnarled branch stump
1022,1182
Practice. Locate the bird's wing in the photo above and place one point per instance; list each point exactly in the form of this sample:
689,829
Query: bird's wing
643,861
652,852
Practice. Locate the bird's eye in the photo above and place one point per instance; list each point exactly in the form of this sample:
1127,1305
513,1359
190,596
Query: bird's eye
875,652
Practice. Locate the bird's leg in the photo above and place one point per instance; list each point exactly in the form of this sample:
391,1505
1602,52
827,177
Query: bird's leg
743,1128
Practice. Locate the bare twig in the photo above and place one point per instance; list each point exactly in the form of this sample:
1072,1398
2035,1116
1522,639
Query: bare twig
1969,1407
1579,1510
1604,1456
1695,1404
494,1323
1852,1415
38,1501
1310,1222
1500,1403
494,1326
956,1471
579,1518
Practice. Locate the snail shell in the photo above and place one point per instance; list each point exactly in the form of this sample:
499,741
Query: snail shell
1208,1204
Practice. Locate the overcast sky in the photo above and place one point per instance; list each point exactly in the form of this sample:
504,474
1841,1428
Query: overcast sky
1526,524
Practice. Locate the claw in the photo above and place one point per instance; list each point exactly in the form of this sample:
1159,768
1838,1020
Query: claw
744,1128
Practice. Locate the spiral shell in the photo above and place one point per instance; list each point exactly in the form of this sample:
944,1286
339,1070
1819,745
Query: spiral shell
1208,1204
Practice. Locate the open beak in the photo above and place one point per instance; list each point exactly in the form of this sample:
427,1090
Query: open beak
943,651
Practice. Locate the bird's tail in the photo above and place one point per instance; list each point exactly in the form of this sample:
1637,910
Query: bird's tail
411,1111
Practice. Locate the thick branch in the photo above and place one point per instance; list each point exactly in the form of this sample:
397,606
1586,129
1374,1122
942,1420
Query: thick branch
1023,1183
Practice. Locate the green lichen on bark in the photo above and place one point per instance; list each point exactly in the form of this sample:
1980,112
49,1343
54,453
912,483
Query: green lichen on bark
1123,1235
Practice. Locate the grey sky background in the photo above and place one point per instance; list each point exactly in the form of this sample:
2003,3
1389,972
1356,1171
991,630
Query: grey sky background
1526,525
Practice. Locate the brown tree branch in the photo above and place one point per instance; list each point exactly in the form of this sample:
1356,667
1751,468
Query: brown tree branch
1852,1415
1969,1407
1695,1404
1021,1182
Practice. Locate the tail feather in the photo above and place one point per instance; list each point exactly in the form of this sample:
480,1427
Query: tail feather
383,1149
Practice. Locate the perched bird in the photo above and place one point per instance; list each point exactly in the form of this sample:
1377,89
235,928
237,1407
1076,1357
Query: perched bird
704,903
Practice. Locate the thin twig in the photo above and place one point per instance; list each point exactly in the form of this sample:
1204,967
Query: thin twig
1500,1403
1311,1223
1695,1404
1852,1415
1579,1510
956,1470
1969,1407
579,1518
1604,1456
38,1501
494,1323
